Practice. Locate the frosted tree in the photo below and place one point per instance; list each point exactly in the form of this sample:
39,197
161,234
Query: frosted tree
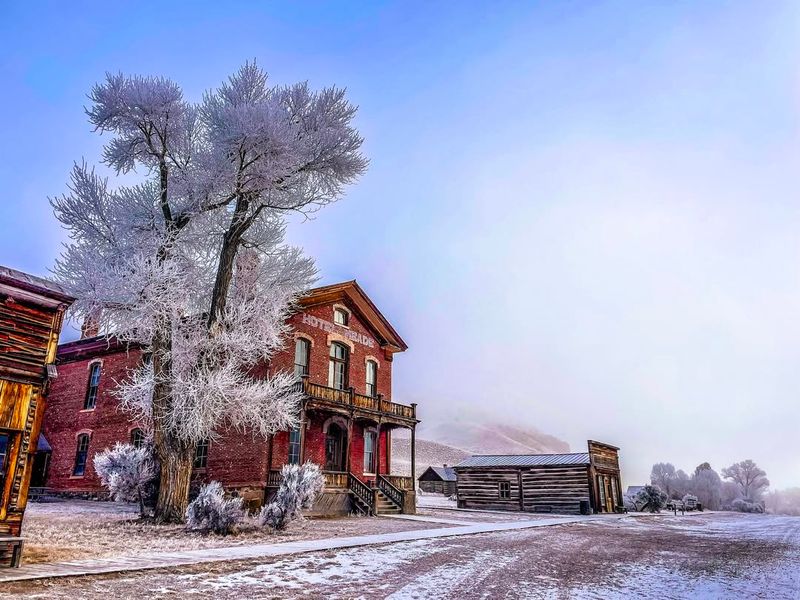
751,479
651,498
707,486
191,262
126,472
664,476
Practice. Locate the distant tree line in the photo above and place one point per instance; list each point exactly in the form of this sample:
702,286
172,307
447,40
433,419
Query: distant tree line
739,487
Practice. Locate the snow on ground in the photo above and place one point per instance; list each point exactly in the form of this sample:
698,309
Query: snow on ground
712,555
75,529
434,501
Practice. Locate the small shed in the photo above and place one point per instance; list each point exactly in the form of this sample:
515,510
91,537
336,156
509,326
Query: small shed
438,480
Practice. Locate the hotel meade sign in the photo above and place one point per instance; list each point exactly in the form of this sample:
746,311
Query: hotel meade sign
329,327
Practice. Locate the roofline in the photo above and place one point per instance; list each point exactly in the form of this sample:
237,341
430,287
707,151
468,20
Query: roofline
601,444
549,454
37,289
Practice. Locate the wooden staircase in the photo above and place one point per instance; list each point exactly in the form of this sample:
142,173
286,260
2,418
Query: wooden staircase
384,505
370,501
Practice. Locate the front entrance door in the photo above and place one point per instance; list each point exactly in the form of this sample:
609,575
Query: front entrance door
335,444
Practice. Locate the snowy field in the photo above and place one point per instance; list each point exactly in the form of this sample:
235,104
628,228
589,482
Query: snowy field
710,555
76,529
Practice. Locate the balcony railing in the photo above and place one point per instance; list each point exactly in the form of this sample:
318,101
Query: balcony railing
351,398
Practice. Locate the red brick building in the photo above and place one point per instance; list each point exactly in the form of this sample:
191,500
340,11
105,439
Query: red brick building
342,349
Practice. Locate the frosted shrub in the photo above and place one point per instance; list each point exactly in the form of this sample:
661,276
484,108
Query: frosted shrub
746,506
298,490
126,472
651,498
211,511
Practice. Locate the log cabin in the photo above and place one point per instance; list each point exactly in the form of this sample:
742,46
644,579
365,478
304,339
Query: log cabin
341,351
31,315
573,483
438,480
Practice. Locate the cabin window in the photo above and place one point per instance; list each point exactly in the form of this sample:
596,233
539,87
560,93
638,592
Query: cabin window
504,489
294,446
302,348
338,366
370,441
81,454
201,455
5,442
137,438
91,390
340,317
372,378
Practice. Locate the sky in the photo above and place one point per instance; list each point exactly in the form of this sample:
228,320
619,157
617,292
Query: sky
583,217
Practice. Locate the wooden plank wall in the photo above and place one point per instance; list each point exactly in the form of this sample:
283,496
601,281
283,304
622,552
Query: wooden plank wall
479,488
25,335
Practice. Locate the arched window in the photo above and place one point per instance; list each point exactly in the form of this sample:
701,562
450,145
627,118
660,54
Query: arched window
340,317
338,366
137,438
81,454
91,390
372,378
370,442
302,349
201,455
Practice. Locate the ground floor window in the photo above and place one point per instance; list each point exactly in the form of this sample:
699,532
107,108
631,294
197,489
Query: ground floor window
137,438
504,489
81,454
201,455
369,451
5,443
294,446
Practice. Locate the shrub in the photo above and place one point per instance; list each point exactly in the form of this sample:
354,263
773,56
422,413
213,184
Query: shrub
211,511
299,489
651,498
746,506
126,472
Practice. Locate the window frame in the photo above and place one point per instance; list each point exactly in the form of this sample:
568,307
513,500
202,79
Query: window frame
370,453
504,490
81,454
93,385
301,370
200,460
137,437
295,445
345,322
371,387
335,362
4,456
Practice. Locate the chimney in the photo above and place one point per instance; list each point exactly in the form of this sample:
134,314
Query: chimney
91,324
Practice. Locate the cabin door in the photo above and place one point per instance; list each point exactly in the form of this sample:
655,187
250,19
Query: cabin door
335,443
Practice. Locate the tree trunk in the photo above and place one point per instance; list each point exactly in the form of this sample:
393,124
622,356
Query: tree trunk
141,502
173,491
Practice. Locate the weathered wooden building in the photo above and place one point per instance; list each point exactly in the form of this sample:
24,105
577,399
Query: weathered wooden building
341,349
438,480
31,315
561,483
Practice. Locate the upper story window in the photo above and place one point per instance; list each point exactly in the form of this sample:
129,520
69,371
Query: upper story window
91,390
294,446
137,438
81,454
302,349
5,442
372,378
504,489
338,366
201,455
341,317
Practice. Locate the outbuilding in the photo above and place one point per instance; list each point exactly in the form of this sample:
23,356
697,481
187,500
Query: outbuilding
438,480
573,483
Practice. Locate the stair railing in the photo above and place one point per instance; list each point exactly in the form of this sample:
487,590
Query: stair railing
361,491
397,496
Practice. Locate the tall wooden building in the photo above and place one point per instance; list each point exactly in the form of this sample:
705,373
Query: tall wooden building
562,483
31,315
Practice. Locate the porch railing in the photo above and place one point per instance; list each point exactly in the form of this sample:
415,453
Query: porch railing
274,479
395,495
400,482
362,491
336,479
350,398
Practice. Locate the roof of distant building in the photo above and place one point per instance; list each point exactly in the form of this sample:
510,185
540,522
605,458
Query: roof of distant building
525,460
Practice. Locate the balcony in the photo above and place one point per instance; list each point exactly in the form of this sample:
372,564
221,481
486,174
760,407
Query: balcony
322,396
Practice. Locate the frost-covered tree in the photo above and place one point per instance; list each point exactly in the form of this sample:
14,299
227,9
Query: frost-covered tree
212,511
191,262
751,479
651,498
707,486
664,476
299,488
126,472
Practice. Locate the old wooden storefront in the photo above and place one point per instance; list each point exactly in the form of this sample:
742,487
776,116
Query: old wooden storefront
560,483
31,314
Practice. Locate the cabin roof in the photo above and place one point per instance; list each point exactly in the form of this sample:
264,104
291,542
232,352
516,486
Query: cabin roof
352,292
444,473
34,289
524,460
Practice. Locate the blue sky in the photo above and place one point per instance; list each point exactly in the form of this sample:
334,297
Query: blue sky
582,216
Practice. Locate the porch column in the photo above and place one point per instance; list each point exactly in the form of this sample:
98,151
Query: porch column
302,436
347,446
414,456
378,454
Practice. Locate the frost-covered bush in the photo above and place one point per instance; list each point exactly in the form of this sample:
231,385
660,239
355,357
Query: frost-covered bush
299,489
746,506
126,472
212,511
651,498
